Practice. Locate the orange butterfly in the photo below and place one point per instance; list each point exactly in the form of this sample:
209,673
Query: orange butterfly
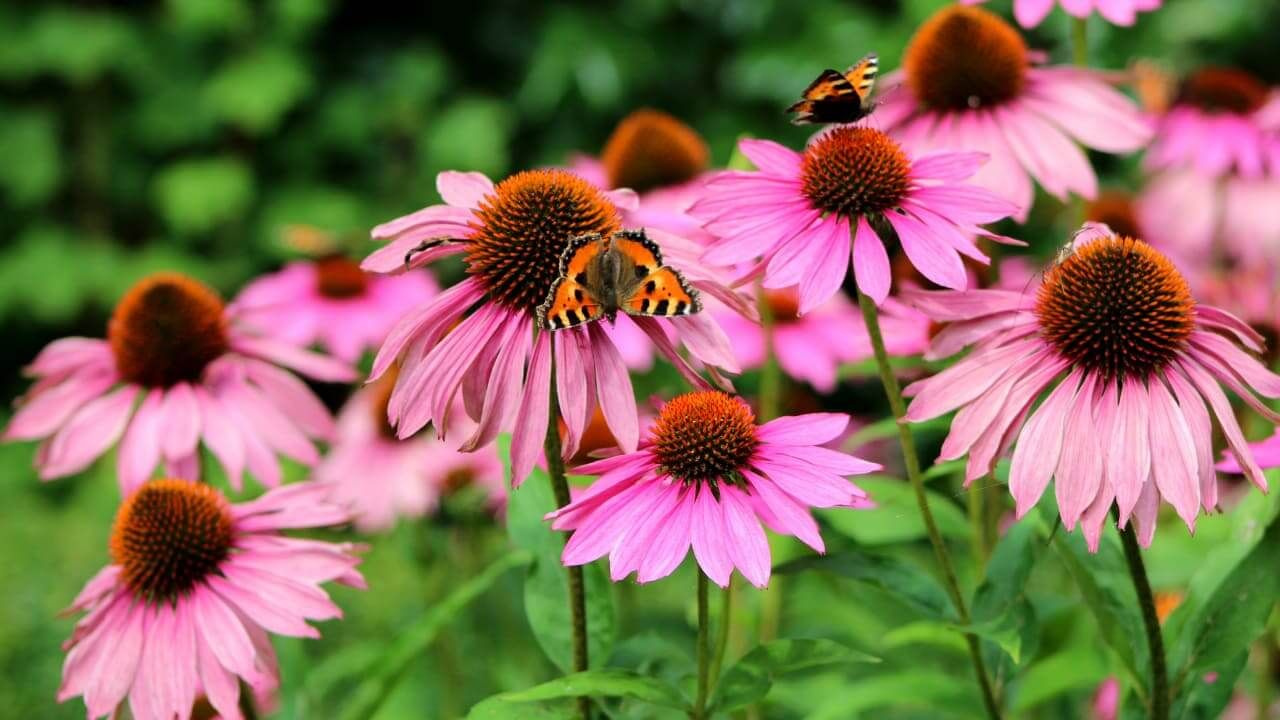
837,97
601,275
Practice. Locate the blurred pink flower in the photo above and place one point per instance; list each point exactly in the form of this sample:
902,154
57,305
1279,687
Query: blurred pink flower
1128,423
381,478
201,375
706,477
480,338
194,587
331,302
797,212
813,347
1031,13
968,82
1106,700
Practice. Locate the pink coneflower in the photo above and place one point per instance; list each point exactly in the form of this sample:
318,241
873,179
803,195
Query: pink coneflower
201,376
1217,157
194,587
513,235
1128,361
812,347
1030,13
707,476
968,82
1266,452
381,478
798,209
333,303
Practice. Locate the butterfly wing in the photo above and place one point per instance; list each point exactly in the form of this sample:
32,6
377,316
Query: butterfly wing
862,76
828,99
659,291
570,303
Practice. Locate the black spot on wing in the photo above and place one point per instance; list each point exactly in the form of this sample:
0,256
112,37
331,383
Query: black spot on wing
577,294
661,307
641,272
644,305
580,278
572,317
651,287
682,307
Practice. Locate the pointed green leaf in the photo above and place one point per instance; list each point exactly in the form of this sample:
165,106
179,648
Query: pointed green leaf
751,677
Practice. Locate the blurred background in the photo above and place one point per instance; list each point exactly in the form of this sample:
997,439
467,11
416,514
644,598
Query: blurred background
192,134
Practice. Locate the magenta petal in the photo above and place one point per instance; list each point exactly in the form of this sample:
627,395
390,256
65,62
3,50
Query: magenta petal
1079,469
1221,407
140,449
770,157
532,418
707,341
1173,455
1129,454
1036,455
808,429
871,263
223,632
613,390
89,433
573,383
430,320
748,545
639,537
965,381
180,426
930,254
221,687
463,189
792,517
503,393
597,536
669,546
824,279
710,539
44,410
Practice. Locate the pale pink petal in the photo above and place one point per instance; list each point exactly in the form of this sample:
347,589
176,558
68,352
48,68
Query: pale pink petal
89,433
313,365
1079,469
180,424
1173,454
1040,445
710,539
1221,407
613,390
42,413
531,428
949,166
463,189
1129,451
1201,427
140,450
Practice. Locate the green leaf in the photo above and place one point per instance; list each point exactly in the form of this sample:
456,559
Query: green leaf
1204,700
498,708
905,581
1232,617
1103,581
546,590
32,167
1075,669
603,683
949,695
1005,631
1000,610
196,196
896,517
415,639
255,91
749,680
77,45
471,134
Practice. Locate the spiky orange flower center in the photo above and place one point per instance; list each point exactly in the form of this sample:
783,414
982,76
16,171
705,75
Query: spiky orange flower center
855,171
965,58
1115,209
166,330
705,437
651,149
1116,307
784,305
340,278
523,227
1224,90
168,535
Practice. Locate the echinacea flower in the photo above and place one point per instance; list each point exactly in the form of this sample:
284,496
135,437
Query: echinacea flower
1030,13
194,588
513,235
797,212
1217,160
331,302
381,478
968,83
707,476
1266,452
201,376
812,347
1131,367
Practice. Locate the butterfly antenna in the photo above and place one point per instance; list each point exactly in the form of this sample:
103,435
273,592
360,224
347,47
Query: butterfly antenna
426,245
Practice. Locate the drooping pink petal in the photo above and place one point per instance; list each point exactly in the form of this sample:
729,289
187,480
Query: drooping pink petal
89,433
181,422
613,390
1201,427
1129,451
42,413
531,429
748,546
871,263
710,538
140,450
1173,454
1039,447
1079,469
792,517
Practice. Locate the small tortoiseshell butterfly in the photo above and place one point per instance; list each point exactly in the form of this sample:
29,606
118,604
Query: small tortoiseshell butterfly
601,275
837,97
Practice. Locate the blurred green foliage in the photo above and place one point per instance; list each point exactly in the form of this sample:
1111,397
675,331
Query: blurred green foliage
187,134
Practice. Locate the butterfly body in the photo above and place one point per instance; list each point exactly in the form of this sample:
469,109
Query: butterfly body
601,276
838,97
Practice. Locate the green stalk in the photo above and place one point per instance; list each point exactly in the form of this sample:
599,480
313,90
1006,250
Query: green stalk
1080,42
722,632
560,486
912,463
1150,621
704,662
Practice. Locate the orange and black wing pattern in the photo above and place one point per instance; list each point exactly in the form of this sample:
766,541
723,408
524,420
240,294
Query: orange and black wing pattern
660,290
570,303
836,97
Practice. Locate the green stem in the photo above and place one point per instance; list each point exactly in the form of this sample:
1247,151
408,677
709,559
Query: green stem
722,633
1080,42
1151,621
704,669
976,499
560,486
912,463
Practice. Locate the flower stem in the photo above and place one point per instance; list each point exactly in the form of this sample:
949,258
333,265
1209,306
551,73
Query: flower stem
560,486
1080,42
722,633
704,669
1155,641
912,463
